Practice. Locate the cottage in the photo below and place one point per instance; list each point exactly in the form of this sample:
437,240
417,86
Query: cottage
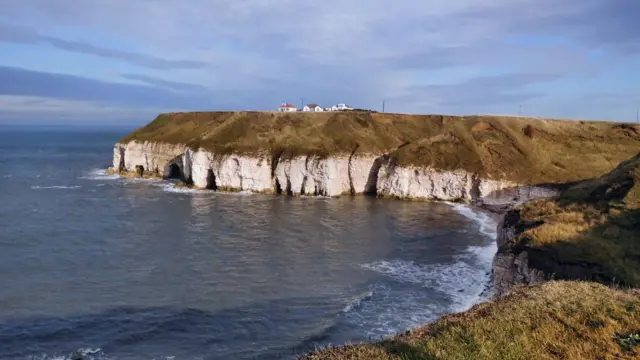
340,107
312,108
285,107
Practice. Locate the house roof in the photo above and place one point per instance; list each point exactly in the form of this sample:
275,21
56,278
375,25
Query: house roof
284,105
312,105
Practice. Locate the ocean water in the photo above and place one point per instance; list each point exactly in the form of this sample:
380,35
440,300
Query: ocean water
99,267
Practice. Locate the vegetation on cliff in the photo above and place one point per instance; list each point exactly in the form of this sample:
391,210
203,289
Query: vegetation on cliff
557,320
523,150
590,232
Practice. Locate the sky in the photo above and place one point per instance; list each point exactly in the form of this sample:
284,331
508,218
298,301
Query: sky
124,61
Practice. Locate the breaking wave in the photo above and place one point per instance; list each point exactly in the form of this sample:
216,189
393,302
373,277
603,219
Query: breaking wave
357,302
100,174
465,280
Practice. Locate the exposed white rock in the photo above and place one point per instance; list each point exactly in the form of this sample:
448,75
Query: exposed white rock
426,183
153,157
312,175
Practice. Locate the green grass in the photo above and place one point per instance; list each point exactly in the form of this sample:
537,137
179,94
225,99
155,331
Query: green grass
557,320
523,150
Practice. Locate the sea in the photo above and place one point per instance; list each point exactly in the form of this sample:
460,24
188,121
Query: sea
95,266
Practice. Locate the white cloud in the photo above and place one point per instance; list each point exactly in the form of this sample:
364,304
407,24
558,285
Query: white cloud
47,109
346,50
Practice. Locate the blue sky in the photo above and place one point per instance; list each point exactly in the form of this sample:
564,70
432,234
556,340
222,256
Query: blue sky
123,61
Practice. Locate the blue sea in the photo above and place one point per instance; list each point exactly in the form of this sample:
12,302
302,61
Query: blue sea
94,266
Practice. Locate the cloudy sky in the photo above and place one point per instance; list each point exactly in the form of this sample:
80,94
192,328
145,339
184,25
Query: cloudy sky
125,60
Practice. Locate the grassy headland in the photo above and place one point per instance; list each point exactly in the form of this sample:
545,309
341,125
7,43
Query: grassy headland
524,150
592,230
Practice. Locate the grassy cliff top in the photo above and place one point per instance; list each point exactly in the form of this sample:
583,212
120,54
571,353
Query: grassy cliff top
557,320
593,225
525,150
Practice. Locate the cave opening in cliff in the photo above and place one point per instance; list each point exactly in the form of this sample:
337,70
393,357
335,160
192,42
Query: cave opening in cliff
288,189
371,187
278,187
211,180
174,172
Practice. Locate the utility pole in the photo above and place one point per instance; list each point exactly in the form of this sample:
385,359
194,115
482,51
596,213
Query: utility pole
301,103
638,114
520,110
383,105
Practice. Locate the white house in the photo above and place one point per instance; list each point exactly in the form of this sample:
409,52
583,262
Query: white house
341,107
312,108
285,107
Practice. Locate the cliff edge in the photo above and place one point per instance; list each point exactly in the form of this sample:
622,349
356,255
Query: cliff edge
406,156
591,231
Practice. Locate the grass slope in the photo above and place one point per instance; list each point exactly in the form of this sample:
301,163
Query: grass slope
592,229
557,320
524,150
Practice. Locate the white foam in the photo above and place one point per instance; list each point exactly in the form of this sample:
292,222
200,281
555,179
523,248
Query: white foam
385,315
100,174
355,303
460,281
170,187
465,280
487,224
135,180
88,353
55,187
483,254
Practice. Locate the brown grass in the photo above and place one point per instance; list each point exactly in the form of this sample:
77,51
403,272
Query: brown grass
557,320
518,149
592,229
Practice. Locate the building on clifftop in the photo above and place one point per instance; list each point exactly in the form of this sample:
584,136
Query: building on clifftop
286,107
312,108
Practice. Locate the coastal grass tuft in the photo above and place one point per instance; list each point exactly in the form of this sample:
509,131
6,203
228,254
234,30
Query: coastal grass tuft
523,150
556,320
592,229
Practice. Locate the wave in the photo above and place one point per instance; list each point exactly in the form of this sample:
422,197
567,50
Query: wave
80,354
357,302
488,225
465,281
100,174
55,187
170,187
483,254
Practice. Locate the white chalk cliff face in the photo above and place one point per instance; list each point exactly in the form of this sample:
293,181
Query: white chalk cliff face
302,175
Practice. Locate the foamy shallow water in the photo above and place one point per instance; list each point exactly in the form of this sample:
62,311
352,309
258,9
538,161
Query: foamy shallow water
100,267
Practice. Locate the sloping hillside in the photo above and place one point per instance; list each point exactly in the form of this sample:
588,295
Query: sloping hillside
557,320
523,150
590,232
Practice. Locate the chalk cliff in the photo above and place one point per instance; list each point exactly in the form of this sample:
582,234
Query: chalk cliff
301,175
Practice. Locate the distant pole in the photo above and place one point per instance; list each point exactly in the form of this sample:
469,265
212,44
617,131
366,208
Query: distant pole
383,105
301,103
520,110
638,115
